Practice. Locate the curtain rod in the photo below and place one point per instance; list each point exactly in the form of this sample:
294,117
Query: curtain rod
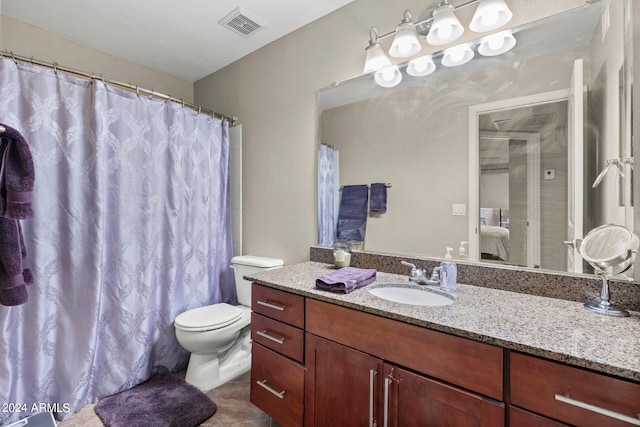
56,67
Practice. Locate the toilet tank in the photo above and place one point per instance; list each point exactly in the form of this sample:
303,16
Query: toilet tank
249,264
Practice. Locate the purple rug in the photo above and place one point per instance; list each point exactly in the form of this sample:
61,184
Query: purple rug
166,400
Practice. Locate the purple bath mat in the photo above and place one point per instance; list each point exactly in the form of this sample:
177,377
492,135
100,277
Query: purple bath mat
165,400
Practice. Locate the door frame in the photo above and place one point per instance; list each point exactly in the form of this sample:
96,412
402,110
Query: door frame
533,186
474,156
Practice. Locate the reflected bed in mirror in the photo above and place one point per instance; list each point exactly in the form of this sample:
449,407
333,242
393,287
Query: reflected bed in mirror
421,135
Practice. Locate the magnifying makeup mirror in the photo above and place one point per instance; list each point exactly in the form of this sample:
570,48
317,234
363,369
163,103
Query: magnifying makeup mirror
610,249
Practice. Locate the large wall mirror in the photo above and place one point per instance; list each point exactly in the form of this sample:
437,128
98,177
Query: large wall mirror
501,152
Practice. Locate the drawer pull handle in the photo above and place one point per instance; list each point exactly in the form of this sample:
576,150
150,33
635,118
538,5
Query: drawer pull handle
387,383
264,334
268,304
602,411
264,385
372,374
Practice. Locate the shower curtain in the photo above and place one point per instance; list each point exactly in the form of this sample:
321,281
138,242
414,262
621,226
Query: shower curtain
327,195
131,228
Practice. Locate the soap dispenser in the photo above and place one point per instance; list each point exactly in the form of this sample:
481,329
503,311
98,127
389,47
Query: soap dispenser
448,256
462,251
448,276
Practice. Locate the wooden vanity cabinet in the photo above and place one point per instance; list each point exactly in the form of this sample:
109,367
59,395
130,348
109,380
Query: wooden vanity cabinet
320,364
363,369
277,371
572,395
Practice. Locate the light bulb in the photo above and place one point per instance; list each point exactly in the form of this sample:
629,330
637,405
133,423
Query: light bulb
457,55
490,17
388,76
496,43
421,66
445,31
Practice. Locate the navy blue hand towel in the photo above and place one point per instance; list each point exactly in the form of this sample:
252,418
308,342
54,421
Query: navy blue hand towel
378,197
354,208
346,279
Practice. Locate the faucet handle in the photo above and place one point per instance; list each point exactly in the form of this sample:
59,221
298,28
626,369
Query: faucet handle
414,271
435,274
408,264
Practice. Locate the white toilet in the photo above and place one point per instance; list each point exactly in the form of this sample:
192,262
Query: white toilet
219,335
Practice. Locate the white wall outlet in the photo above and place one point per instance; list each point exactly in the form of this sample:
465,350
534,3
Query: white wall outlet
459,209
549,174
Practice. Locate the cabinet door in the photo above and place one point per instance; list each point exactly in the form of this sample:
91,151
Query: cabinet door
342,385
415,400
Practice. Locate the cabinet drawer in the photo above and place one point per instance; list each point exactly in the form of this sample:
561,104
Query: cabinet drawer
466,363
278,336
277,386
279,305
572,395
521,418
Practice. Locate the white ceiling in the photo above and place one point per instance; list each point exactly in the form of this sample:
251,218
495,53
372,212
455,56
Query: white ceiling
181,38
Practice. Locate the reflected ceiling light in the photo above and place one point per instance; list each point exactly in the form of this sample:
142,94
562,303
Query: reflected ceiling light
441,27
445,28
376,58
497,44
388,76
457,55
421,66
490,14
405,43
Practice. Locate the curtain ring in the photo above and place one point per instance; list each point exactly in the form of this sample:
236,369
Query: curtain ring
13,56
55,67
182,102
31,59
137,90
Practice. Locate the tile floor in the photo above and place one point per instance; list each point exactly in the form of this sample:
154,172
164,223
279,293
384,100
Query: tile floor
232,399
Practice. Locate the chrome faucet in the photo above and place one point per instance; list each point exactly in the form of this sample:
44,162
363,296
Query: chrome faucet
419,275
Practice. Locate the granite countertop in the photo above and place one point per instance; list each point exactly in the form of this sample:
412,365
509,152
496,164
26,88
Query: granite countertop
552,328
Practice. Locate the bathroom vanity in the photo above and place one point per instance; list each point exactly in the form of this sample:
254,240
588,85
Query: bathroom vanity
491,358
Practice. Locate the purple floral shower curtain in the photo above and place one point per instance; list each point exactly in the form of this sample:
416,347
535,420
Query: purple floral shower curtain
131,228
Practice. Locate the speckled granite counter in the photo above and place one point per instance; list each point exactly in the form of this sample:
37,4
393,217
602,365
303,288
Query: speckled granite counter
552,328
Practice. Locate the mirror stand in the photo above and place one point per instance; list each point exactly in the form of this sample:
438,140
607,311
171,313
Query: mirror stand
604,306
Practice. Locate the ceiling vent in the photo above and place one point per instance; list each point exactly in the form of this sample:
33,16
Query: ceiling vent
239,22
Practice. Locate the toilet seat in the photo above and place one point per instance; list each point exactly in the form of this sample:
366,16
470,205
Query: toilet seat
208,318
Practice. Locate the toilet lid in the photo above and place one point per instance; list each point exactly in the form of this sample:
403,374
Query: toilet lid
208,317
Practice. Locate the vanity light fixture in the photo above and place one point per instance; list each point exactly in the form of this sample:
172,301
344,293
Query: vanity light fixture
443,28
405,43
497,44
490,14
421,66
388,76
457,55
376,58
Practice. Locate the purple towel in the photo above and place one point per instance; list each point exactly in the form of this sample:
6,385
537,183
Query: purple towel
352,216
14,270
346,279
17,175
378,198
16,184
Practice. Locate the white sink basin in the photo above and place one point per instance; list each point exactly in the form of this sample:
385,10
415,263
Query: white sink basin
412,295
